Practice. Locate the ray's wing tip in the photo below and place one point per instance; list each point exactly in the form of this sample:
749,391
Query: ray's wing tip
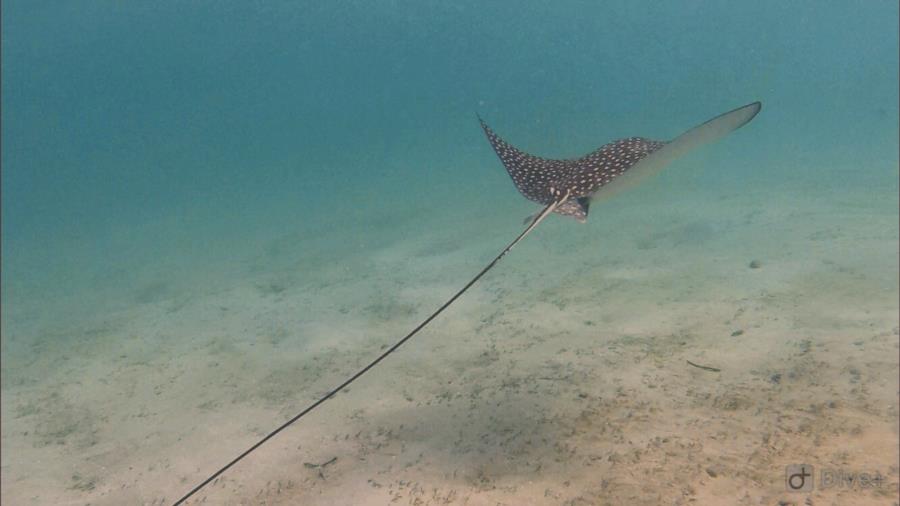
481,120
752,109
755,107
738,116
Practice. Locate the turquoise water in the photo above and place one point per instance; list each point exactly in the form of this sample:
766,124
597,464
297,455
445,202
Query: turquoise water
197,196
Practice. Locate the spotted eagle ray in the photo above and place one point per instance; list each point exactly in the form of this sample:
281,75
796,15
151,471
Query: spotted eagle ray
565,187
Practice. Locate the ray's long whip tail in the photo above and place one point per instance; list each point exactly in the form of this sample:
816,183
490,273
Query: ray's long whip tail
534,223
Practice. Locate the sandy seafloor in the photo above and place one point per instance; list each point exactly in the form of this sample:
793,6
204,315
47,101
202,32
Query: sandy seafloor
561,378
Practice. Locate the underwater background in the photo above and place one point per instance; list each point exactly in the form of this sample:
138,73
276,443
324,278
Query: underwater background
213,212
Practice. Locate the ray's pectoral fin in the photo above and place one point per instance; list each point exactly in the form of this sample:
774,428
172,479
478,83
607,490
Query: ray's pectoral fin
703,134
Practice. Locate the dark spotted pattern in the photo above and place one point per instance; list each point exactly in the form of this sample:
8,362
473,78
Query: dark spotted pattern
543,180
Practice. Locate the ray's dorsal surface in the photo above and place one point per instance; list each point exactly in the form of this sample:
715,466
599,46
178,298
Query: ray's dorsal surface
612,168
566,187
